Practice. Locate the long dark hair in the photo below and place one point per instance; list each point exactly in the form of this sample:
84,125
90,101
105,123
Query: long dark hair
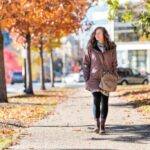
108,44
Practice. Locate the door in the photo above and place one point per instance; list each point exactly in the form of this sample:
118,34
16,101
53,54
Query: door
137,77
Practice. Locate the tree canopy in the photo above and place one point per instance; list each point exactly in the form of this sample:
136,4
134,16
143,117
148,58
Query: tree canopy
137,13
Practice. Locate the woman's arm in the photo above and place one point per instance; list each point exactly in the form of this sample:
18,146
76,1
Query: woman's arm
86,65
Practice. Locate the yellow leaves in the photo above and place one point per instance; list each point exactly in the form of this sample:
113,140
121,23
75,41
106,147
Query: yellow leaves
51,18
139,95
54,42
23,110
37,61
8,135
30,29
24,114
29,109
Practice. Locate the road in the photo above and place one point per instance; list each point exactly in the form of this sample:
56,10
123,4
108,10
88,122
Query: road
19,87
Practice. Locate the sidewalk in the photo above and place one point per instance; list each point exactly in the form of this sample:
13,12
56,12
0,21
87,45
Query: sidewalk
72,124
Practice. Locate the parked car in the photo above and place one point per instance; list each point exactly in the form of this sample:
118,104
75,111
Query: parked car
147,74
74,77
57,77
81,77
17,77
131,76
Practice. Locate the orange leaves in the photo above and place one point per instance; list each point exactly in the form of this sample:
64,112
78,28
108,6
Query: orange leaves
38,12
139,95
8,135
50,18
7,23
23,110
22,115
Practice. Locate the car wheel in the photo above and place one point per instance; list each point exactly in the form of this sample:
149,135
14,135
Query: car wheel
145,82
124,83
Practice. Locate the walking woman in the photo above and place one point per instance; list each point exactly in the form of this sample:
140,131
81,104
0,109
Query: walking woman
99,45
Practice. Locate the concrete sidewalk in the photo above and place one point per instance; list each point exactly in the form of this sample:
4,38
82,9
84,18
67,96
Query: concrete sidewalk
72,124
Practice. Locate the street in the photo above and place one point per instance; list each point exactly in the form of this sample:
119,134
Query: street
19,87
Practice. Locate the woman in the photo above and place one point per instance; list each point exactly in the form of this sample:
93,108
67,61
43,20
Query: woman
98,46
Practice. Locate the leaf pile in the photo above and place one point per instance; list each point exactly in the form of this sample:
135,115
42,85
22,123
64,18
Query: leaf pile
23,110
139,95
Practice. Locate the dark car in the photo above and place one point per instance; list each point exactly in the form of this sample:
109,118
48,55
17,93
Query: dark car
17,77
131,76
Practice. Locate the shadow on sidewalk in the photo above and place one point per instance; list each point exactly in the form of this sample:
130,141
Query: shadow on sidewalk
27,103
127,133
62,126
127,104
36,95
121,133
133,104
128,93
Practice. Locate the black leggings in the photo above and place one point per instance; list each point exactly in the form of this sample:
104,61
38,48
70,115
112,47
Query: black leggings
100,106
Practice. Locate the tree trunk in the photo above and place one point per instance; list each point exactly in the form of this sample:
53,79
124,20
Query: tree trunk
42,75
51,68
3,92
29,88
25,74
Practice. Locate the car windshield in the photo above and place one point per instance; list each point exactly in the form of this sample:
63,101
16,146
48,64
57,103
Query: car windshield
17,74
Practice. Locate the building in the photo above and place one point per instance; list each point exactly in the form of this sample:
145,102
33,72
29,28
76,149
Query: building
133,49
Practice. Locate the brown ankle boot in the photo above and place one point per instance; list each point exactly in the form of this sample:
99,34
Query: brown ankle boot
102,126
97,128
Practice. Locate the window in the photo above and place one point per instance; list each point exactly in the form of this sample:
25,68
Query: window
126,37
121,73
128,73
135,72
137,59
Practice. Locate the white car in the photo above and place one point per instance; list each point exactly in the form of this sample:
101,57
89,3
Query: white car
74,77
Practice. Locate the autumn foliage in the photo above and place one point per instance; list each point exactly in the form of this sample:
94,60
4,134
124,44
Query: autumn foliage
24,110
32,21
33,24
138,95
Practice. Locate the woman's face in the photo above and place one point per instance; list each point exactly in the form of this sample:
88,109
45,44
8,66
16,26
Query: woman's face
99,35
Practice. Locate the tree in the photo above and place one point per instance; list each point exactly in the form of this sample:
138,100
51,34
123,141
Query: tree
26,17
54,26
3,93
137,13
6,20
51,45
25,27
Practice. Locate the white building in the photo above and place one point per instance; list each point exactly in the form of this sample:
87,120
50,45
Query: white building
133,49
